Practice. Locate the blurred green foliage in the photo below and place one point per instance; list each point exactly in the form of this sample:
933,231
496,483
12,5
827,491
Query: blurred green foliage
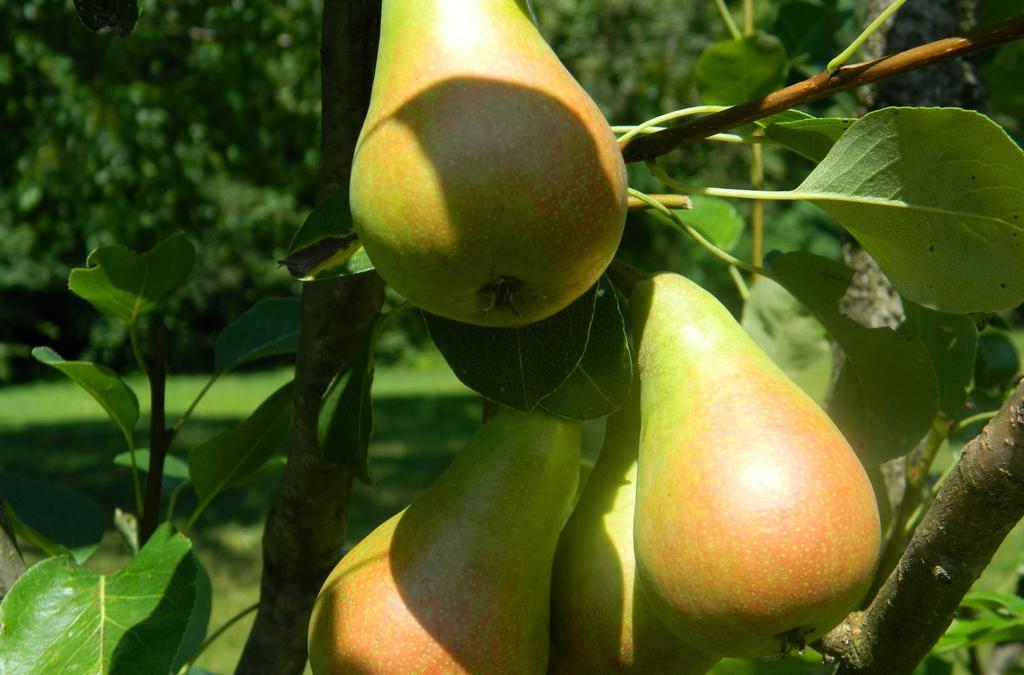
206,119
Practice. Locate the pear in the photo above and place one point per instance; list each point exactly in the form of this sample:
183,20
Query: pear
756,527
459,582
600,620
486,185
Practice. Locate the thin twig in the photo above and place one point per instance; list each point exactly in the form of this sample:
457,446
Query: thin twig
641,148
671,201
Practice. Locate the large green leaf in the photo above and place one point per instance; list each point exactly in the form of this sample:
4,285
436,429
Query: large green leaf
326,246
268,328
346,414
103,384
61,618
516,367
229,457
54,517
813,138
599,385
886,396
952,342
734,71
787,331
124,285
936,195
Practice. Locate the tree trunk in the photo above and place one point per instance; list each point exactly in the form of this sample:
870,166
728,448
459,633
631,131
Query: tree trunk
305,531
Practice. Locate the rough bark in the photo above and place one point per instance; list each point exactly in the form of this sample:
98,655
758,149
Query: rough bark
975,509
12,565
306,529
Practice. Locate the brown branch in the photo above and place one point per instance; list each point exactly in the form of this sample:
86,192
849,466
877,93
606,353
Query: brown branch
641,148
671,201
159,438
12,565
975,509
306,530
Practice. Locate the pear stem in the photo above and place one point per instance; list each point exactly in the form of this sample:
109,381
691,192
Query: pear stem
822,85
669,201
974,510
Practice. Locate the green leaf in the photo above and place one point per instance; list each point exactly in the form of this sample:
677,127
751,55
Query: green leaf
886,396
952,342
1002,604
787,331
998,361
716,219
229,457
325,245
808,29
813,138
54,517
103,384
1003,74
599,385
268,328
124,285
346,413
121,15
516,367
199,620
936,195
734,71
174,466
61,618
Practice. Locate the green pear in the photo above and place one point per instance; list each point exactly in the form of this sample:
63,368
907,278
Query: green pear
600,620
486,185
756,527
459,582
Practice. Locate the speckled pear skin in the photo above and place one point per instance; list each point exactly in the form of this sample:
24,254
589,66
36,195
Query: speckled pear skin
486,185
601,623
459,582
756,526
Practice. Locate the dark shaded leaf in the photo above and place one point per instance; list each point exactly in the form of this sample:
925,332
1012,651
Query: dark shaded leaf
268,328
326,246
599,385
54,517
734,71
516,367
346,414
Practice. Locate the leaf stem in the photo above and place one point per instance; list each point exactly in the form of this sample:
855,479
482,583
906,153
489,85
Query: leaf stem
668,117
216,634
192,406
672,218
973,419
730,23
845,55
172,501
730,193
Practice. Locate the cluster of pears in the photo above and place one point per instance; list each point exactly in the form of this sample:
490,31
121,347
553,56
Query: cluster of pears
725,516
